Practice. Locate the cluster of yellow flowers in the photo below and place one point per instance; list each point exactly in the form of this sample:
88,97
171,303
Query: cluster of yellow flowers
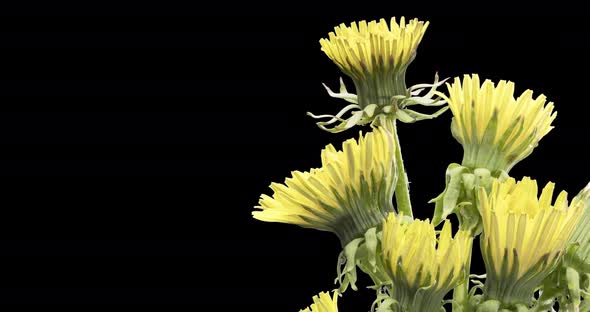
526,239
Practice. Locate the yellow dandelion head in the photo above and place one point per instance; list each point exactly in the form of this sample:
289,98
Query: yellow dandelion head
365,48
523,235
496,129
415,258
349,194
375,55
323,303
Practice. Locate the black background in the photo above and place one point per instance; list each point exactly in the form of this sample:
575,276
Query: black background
136,140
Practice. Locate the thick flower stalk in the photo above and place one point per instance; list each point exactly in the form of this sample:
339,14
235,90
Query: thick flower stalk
523,237
323,303
423,268
496,129
351,193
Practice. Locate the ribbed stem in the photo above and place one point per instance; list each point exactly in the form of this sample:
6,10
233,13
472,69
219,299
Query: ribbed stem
402,189
379,89
461,292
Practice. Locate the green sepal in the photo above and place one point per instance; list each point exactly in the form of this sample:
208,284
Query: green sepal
372,106
573,286
489,306
483,177
475,300
388,305
570,259
446,202
348,276
370,110
520,308
409,116
364,253
369,259
348,97
402,116
460,195
371,246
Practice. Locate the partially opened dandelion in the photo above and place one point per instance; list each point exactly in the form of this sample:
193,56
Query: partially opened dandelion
423,268
524,237
376,55
349,194
496,129
536,249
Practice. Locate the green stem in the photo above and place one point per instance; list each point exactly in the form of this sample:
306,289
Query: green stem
461,292
402,189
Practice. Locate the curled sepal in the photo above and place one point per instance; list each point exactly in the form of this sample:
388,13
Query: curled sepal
396,106
475,300
446,202
383,300
409,116
347,275
348,97
336,123
364,253
458,197
349,116
427,99
388,305
411,98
